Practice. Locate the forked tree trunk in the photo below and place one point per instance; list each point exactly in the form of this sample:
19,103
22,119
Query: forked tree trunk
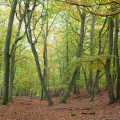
12,68
34,51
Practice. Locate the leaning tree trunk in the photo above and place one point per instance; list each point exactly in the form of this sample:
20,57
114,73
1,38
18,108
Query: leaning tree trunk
108,62
6,53
40,75
34,51
68,90
72,82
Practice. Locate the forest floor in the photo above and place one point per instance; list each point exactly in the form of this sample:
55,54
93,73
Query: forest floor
77,108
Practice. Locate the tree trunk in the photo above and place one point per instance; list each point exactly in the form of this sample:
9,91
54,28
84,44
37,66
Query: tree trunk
77,78
68,90
71,85
96,84
40,75
12,68
117,59
45,61
12,75
108,62
29,35
91,90
6,53
86,80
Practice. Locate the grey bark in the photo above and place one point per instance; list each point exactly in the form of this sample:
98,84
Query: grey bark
12,75
72,82
117,58
96,84
86,80
45,54
91,86
68,90
13,51
108,62
30,40
6,53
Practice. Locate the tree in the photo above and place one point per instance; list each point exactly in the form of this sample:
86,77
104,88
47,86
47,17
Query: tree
6,53
108,62
13,51
117,58
76,72
91,89
34,51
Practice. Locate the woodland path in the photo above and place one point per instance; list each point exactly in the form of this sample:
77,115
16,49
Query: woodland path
77,108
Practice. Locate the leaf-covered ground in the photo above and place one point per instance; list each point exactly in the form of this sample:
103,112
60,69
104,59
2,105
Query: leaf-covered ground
77,108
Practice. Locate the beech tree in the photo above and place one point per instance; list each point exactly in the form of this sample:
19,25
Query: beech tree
7,54
34,51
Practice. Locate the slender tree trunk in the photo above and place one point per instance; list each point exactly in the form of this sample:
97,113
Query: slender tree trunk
67,60
29,35
6,53
0,72
67,50
96,83
45,62
68,90
108,62
76,83
79,53
91,90
114,64
53,77
72,82
12,69
86,80
40,75
77,78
